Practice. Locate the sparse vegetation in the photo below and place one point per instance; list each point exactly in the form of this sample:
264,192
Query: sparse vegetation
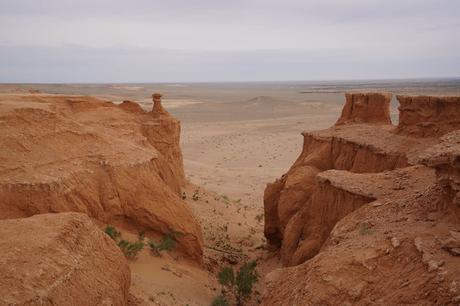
129,249
240,285
112,232
196,196
167,243
220,300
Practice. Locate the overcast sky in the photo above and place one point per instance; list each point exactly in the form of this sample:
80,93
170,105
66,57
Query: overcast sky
231,40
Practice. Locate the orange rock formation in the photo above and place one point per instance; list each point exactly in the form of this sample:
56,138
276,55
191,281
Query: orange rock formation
60,259
427,116
366,108
294,211
117,164
370,214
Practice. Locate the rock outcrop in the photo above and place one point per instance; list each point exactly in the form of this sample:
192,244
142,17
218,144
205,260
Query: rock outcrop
115,163
428,116
369,231
294,208
366,108
60,259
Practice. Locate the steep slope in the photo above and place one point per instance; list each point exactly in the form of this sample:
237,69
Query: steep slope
117,164
77,264
376,238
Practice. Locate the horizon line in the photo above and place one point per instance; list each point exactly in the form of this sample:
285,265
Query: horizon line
443,78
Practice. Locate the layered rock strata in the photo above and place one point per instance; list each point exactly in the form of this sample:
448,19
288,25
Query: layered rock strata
428,116
366,108
293,216
115,163
367,235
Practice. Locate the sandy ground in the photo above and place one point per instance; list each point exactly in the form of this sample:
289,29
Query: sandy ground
228,162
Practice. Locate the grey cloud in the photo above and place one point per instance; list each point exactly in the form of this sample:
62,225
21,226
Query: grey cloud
206,40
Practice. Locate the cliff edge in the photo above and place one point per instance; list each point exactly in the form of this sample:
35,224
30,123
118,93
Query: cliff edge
369,214
115,163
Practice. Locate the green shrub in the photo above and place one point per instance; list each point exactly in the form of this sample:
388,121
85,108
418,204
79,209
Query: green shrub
112,232
241,285
245,280
130,249
226,276
219,301
167,243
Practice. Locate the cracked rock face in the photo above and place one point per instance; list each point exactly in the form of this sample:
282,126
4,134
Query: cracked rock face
77,264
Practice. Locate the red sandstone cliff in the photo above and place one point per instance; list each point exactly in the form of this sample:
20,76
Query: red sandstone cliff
370,215
117,164
428,116
366,108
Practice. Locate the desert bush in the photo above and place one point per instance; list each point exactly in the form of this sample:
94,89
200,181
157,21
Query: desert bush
245,280
226,276
167,243
130,249
112,232
240,285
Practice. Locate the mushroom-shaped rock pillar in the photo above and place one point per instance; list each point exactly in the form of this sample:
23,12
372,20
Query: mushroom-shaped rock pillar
158,109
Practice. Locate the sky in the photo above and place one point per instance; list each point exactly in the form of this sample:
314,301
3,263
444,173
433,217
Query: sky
84,41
